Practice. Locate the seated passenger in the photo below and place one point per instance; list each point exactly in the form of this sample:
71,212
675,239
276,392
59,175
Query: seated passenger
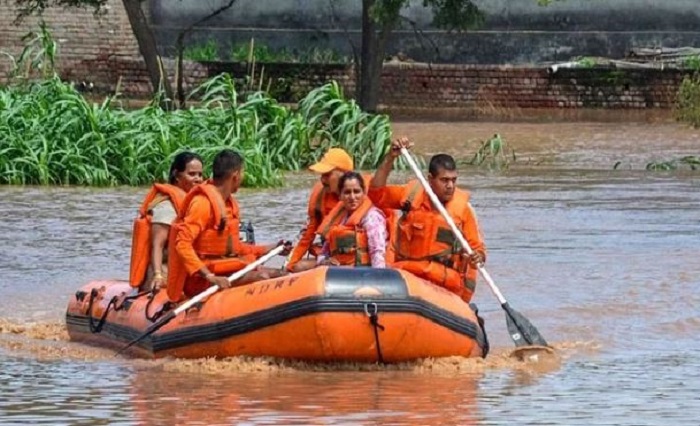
354,231
205,245
149,254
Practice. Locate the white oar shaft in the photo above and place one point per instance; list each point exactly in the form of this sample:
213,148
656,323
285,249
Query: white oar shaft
458,233
213,289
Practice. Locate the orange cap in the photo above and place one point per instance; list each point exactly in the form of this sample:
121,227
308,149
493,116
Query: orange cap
335,158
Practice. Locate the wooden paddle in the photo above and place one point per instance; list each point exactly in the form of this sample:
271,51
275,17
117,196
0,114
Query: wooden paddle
520,329
206,293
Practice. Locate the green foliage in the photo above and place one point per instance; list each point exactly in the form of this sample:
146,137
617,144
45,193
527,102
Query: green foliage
692,162
38,56
331,122
448,14
586,62
32,7
205,52
688,100
692,62
260,53
49,134
455,14
493,154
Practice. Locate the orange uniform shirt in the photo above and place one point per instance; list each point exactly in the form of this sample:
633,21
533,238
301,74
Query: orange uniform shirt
327,203
199,216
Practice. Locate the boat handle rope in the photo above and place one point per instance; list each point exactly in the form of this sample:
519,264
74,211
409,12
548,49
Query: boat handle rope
167,306
374,321
97,328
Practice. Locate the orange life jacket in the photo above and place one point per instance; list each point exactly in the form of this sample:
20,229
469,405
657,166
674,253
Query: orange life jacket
425,245
215,245
141,247
322,202
348,241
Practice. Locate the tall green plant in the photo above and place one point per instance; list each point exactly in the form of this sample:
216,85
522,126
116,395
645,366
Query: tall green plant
38,55
688,100
51,135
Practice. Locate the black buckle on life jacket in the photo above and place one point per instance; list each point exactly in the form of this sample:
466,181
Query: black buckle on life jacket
444,260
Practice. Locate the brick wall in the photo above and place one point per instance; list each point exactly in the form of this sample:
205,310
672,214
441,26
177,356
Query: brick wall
88,44
481,86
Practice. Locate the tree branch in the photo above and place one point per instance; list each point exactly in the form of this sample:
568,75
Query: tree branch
420,35
180,46
353,46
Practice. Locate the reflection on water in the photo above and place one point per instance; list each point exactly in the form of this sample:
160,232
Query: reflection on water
603,262
324,398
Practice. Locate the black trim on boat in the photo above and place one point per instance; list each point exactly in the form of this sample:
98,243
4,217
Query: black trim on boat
279,314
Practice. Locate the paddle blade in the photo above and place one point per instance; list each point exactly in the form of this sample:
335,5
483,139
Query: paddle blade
150,330
521,330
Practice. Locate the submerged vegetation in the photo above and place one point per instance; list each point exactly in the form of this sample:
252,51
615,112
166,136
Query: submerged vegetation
51,135
689,162
494,154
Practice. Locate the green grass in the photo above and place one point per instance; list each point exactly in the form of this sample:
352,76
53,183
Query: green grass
261,53
204,52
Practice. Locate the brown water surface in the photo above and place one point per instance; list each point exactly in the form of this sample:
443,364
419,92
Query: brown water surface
604,262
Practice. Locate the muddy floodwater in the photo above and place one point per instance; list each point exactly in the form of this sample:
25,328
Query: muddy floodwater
606,263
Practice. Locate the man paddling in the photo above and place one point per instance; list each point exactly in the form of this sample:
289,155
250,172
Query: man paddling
424,243
204,241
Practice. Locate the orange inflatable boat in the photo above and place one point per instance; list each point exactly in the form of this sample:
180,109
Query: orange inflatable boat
325,314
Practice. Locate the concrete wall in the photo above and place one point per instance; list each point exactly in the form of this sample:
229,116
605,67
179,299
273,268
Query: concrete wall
515,31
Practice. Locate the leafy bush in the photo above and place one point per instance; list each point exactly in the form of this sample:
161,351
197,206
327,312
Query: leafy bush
688,100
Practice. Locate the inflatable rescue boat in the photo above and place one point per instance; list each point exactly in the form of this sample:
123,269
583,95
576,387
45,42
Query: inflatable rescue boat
325,314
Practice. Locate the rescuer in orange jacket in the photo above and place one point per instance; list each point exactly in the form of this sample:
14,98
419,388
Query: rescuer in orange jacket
204,241
324,197
158,211
423,242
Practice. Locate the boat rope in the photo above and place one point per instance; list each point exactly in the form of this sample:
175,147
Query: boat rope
124,302
480,320
96,328
374,321
165,308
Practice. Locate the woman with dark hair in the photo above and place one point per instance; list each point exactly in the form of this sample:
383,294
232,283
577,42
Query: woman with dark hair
158,211
355,231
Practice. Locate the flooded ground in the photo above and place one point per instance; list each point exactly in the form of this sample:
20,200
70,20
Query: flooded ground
604,262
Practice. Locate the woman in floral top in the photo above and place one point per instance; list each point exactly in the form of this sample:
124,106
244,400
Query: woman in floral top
353,196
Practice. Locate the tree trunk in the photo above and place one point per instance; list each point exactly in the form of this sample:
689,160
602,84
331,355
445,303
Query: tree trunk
374,39
149,50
